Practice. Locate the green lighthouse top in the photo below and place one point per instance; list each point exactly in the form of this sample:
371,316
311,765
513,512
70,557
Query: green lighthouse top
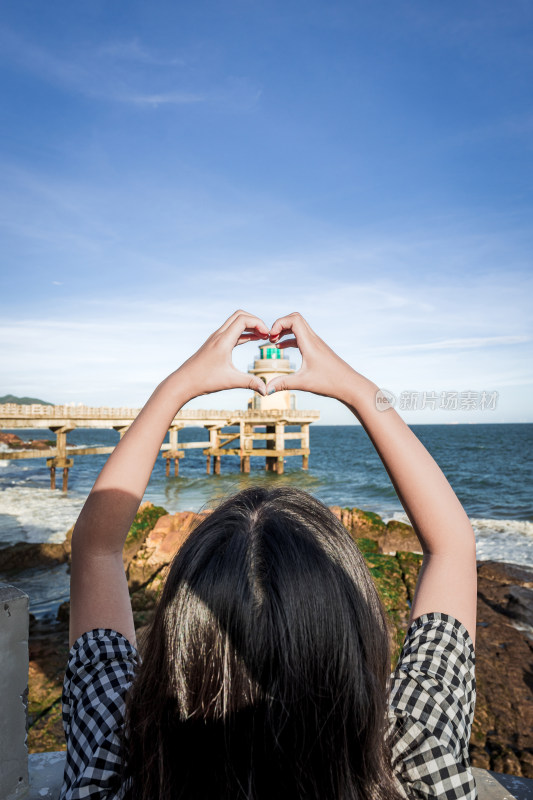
268,351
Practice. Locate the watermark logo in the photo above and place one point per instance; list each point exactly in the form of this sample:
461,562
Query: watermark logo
385,399
451,400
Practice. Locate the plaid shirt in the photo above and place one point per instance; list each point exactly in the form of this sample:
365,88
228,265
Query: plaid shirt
432,698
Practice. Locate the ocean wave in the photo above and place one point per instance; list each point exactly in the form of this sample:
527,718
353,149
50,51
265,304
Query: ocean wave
4,448
509,540
47,587
522,526
32,514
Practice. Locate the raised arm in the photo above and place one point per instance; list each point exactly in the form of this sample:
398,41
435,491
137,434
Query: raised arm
448,579
99,596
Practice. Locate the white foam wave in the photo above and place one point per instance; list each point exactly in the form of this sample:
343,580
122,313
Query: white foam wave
31,514
4,448
522,526
508,540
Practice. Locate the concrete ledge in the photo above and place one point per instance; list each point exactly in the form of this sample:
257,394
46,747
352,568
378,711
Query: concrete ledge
46,776
495,786
13,692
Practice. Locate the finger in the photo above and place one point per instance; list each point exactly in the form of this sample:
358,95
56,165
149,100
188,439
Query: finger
292,323
250,337
284,332
287,343
229,320
282,383
244,381
247,323
254,332
255,322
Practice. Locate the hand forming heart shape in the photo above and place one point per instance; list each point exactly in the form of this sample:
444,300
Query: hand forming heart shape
211,369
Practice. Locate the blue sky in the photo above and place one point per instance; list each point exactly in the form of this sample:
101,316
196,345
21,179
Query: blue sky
368,164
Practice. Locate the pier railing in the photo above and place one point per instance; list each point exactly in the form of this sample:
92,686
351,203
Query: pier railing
12,411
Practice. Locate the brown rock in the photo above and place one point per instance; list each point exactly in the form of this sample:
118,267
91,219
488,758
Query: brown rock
16,443
505,574
48,651
46,735
520,604
10,439
24,555
361,524
503,723
39,444
144,522
392,537
410,564
161,545
63,612
144,600
505,760
399,537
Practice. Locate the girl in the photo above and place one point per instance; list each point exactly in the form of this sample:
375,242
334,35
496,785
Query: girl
265,671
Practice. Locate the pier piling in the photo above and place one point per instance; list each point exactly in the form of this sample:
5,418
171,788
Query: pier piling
270,462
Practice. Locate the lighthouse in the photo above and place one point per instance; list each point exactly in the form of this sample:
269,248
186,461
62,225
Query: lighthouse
270,364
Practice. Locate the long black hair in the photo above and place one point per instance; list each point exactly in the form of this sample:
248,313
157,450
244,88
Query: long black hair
265,669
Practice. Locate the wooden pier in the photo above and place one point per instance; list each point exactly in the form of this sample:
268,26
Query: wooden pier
61,420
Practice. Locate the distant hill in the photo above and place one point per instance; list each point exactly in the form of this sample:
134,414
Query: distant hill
23,401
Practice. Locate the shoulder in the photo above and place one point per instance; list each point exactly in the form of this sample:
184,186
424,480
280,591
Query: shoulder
100,670
437,645
96,653
431,708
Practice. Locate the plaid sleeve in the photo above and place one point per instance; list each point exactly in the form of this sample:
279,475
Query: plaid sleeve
99,672
431,709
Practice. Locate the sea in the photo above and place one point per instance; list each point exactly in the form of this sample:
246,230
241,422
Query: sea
489,466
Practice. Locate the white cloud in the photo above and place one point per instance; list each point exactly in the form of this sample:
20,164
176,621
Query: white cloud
453,344
168,98
129,73
132,50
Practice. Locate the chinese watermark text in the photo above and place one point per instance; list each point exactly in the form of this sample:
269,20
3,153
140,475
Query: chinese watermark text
453,400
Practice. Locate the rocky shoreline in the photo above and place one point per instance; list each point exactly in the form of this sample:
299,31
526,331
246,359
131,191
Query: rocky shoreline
502,736
14,442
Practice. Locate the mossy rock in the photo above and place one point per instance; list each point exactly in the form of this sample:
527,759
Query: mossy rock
388,578
147,596
142,618
46,670
397,525
359,523
46,735
367,545
144,522
42,696
373,518
397,631
410,564
387,575
145,599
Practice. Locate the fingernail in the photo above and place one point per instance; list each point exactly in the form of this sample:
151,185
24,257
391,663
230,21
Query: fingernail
271,391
